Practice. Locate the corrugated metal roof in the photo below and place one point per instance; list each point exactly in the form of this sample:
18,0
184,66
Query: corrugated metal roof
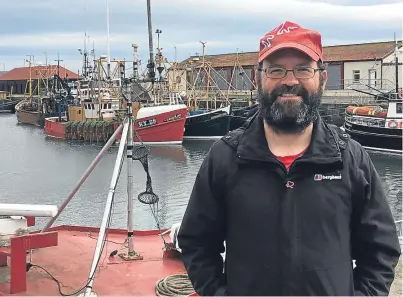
23,73
359,52
336,53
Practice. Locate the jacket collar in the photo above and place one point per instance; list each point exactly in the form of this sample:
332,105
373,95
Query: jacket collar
324,147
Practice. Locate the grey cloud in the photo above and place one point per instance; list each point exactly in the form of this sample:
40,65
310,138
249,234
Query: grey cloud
178,25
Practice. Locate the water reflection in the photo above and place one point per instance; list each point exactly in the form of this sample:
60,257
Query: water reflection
389,167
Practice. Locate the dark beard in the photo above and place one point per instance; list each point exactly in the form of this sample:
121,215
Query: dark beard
290,116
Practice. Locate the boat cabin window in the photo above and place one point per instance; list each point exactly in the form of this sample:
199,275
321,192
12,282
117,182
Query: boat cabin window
399,107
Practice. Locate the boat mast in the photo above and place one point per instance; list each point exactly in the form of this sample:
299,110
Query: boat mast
396,65
131,253
207,73
151,64
30,78
107,41
108,208
85,57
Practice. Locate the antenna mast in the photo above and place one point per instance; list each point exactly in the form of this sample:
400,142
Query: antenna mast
204,45
107,40
150,65
58,64
396,65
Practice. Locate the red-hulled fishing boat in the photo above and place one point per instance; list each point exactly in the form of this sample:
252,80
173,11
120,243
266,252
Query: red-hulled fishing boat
161,124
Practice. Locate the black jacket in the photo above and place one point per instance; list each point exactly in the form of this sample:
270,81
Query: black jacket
290,233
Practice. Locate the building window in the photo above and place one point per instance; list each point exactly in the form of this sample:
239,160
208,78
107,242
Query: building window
356,76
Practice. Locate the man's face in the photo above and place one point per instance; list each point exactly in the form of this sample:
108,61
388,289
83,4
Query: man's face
289,104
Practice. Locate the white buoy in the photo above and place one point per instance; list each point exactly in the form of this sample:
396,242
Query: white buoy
28,210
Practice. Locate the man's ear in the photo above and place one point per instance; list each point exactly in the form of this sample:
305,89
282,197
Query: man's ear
324,79
255,76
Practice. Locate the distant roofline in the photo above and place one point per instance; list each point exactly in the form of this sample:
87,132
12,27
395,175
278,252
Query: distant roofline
48,71
400,43
33,66
365,43
225,54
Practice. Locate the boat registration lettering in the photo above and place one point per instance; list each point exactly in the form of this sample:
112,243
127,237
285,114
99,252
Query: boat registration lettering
173,118
147,123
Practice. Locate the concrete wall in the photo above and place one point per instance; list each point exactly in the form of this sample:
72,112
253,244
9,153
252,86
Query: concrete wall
364,72
378,74
333,113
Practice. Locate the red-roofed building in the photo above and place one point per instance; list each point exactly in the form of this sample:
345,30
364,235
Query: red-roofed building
17,79
347,65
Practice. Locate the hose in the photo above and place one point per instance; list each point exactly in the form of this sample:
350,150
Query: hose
174,285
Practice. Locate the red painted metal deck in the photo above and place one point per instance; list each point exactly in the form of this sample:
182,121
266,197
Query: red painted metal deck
70,262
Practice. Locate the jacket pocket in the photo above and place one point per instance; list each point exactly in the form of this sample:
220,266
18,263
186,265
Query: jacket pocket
333,280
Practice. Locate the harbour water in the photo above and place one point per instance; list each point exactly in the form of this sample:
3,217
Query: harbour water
38,170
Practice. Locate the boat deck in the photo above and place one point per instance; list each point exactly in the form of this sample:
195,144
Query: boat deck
70,262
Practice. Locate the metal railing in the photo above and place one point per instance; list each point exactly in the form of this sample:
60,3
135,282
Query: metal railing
364,84
365,121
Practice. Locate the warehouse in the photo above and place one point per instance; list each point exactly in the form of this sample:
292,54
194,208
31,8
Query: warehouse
17,79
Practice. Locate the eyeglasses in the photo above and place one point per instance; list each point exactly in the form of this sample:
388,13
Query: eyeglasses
299,72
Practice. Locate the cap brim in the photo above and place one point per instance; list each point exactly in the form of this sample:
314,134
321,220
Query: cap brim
300,47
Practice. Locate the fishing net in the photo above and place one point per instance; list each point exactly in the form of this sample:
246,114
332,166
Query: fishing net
140,153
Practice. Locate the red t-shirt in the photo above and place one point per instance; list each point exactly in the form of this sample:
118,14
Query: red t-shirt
288,160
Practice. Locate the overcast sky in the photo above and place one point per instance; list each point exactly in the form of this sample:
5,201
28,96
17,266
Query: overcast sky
33,27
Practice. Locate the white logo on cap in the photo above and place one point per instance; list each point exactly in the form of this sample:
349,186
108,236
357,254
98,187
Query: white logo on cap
280,31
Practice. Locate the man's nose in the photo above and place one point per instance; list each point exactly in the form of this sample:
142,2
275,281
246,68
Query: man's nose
290,79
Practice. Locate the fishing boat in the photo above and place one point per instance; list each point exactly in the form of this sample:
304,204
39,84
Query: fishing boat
97,115
209,110
377,125
102,92
208,123
211,113
45,98
154,125
7,103
240,115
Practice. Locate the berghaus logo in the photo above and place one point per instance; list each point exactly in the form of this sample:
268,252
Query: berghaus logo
319,177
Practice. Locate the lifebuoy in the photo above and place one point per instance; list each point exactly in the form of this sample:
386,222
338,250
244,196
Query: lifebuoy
394,124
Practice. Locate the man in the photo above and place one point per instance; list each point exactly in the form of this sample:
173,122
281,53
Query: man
294,199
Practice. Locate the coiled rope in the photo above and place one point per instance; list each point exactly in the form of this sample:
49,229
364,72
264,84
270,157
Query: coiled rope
174,285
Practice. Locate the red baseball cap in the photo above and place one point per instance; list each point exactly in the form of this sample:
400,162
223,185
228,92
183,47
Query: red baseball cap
291,35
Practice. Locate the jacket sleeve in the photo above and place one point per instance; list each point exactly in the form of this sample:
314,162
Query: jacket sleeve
201,234
375,243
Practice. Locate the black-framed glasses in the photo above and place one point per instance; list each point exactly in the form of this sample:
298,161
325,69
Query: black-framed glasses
299,72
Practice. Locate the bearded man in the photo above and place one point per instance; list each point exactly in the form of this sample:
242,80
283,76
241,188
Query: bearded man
294,199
